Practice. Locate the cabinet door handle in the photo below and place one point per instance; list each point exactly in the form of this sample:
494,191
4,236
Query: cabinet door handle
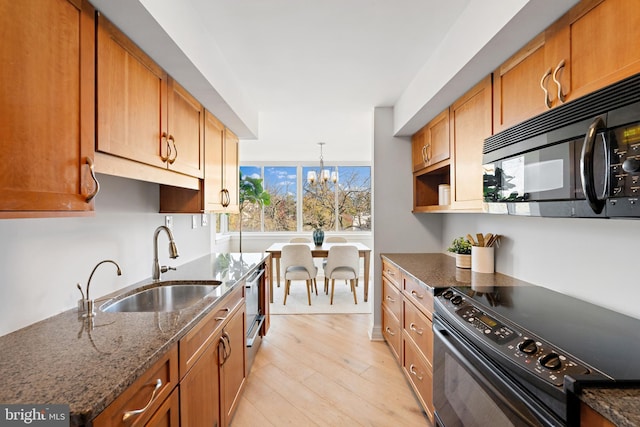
225,198
130,414
389,331
175,150
163,138
424,154
412,326
412,369
561,96
428,151
222,354
92,171
543,80
390,299
226,335
415,294
391,273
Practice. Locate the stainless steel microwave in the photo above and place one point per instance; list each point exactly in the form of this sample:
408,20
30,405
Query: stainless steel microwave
581,159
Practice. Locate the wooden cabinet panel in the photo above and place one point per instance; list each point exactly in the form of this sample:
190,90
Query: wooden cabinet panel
419,374
420,330
233,371
391,298
231,166
418,294
185,130
517,85
391,331
213,153
131,99
392,273
591,418
47,108
143,391
470,125
600,40
168,414
199,389
430,145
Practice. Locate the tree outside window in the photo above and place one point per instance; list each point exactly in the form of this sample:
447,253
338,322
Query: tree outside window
343,206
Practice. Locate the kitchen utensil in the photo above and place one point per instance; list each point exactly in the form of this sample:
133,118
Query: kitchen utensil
480,239
471,240
487,237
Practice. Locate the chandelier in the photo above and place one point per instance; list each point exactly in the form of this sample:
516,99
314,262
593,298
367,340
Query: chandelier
323,175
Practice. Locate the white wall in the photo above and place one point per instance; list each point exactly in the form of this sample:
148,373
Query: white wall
591,259
294,136
396,229
43,259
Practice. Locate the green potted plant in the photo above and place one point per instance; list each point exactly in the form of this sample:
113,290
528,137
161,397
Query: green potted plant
251,191
462,248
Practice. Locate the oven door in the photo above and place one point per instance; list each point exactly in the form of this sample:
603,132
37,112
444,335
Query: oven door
469,390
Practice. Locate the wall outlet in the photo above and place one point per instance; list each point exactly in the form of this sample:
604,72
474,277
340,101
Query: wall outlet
168,222
205,219
194,221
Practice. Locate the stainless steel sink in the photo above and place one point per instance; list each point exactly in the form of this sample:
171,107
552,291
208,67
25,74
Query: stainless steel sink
164,297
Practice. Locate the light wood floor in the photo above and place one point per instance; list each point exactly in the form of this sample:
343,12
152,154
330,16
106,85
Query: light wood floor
322,370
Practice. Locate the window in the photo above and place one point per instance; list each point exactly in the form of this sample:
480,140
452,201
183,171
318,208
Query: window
341,206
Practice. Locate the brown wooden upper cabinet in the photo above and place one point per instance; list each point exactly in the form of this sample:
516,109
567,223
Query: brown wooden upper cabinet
47,108
218,190
430,145
470,124
588,48
222,167
143,114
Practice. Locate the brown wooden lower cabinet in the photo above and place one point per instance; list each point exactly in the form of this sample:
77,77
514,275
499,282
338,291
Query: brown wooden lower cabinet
149,391
419,372
407,308
168,414
591,418
196,383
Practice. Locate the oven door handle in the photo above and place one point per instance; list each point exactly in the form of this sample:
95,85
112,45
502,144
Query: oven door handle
250,283
444,337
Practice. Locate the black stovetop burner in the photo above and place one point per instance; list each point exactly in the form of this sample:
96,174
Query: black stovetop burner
606,340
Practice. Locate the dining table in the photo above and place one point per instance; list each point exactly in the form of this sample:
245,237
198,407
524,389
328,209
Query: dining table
321,251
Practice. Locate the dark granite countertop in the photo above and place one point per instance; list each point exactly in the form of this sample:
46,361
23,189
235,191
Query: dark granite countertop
619,405
63,360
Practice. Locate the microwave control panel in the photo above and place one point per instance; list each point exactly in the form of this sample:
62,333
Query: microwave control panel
624,173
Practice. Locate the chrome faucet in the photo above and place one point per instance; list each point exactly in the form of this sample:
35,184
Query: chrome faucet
86,300
173,252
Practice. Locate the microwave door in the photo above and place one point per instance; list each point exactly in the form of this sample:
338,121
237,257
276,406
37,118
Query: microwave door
594,172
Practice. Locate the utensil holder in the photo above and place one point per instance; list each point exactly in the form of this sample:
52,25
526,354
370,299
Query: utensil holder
483,259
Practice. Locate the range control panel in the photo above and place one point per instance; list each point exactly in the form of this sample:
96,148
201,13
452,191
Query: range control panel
523,348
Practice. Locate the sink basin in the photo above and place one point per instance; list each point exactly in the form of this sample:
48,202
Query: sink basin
164,297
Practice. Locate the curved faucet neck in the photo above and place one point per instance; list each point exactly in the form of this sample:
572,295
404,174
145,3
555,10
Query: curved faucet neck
119,272
173,251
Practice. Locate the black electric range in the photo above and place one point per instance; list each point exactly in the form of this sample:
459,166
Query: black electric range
525,351
604,339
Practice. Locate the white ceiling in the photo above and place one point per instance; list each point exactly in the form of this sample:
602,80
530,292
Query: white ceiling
326,54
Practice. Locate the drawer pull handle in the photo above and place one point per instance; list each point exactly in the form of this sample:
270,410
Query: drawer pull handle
227,309
390,332
391,273
415,294
130,414
412,326
412,369
390,299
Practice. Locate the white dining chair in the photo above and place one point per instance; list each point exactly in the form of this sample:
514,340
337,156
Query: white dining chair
297,264
332,239
343,262
299,240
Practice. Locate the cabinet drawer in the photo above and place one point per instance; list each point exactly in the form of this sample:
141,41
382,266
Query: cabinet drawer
421,296
391,331
196,341
391,298
142,392
391,272
419,329
419,374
